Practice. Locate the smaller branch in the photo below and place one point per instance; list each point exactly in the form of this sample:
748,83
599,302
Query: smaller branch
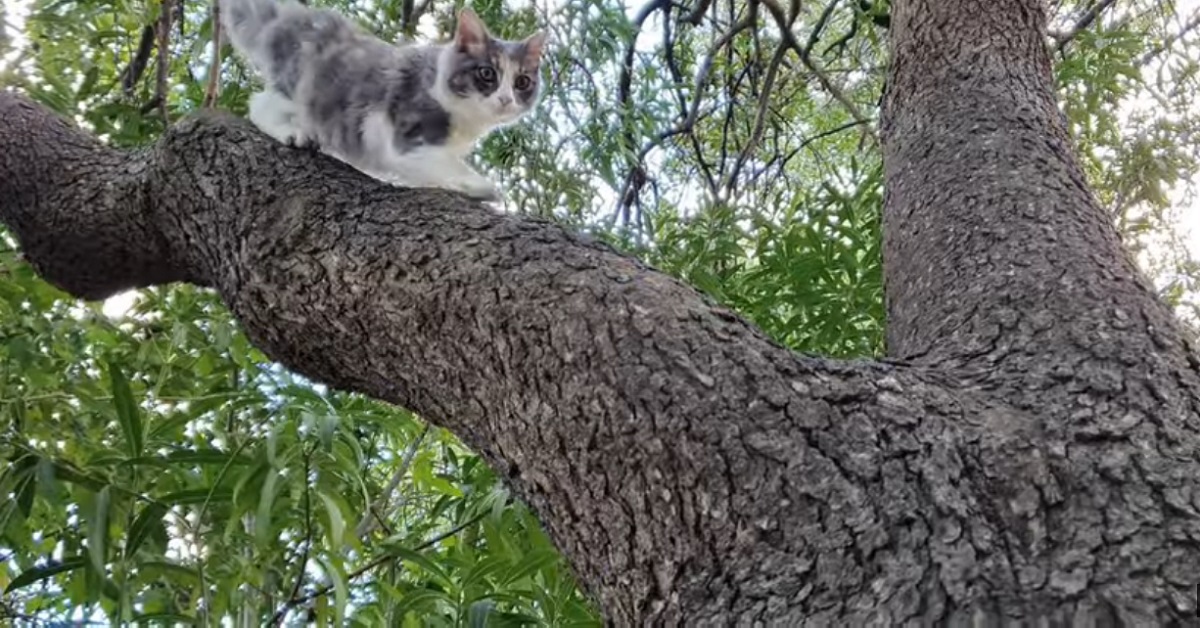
764,102
410,14
624,86
164,59
294,602
1085,21
781,161
790,39
625,80
213,90
178,18
696,15
688,124
1192,23
137,66
815,36
381,503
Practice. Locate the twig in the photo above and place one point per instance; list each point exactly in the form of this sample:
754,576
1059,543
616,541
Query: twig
625,80
294,602
137,66
277,618
790,39
213,90
784,159
1085,21
696,15
624,86
815,36
1189,26
760,119
164,58
689,122
381,503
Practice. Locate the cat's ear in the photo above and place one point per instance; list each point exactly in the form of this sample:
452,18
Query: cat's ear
534,45
472,33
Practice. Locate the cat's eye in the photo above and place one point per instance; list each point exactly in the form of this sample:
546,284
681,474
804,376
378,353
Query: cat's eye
485,74
523,82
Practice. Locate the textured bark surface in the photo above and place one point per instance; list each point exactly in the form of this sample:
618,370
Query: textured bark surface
1033,455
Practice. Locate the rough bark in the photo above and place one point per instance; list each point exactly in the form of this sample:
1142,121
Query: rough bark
1034,457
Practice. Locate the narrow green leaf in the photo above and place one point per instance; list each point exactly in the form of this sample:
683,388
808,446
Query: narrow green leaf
150,516
424,563
480,571
422,603
37,574
337,523
168,619
26,489
66,473
262,517
341,591
127,410
197,496
530,564
98,530
153,568
190,456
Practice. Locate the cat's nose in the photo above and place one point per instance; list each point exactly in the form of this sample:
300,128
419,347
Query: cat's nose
505,100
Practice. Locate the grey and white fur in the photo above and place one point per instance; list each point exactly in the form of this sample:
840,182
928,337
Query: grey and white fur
408,114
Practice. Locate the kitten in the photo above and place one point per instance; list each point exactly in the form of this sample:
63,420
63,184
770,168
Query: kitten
406,114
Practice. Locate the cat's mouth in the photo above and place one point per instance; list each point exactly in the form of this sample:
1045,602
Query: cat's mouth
508,112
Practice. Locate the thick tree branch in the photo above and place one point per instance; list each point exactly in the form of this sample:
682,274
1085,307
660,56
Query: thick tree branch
1011,237
627,409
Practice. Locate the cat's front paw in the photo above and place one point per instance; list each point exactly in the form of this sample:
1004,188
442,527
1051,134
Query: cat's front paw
300,140
482,190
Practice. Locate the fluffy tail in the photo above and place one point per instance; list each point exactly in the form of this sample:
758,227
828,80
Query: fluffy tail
245,23
280,38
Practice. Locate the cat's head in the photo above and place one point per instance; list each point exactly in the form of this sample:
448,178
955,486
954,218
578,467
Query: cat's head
492,77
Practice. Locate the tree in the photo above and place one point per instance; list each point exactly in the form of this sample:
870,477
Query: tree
1025,450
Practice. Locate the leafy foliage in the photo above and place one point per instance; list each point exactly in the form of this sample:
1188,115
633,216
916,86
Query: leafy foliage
160,468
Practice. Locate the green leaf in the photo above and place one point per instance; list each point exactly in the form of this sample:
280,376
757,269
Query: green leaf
151,516
424,563
530,564
189,457
340,589
197,496
479,572
66,473
98,530
266,502
37,574
422,602
190,576
127,411
336,532
169,619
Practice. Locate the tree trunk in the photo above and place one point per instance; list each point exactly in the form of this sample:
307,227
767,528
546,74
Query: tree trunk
1034,454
